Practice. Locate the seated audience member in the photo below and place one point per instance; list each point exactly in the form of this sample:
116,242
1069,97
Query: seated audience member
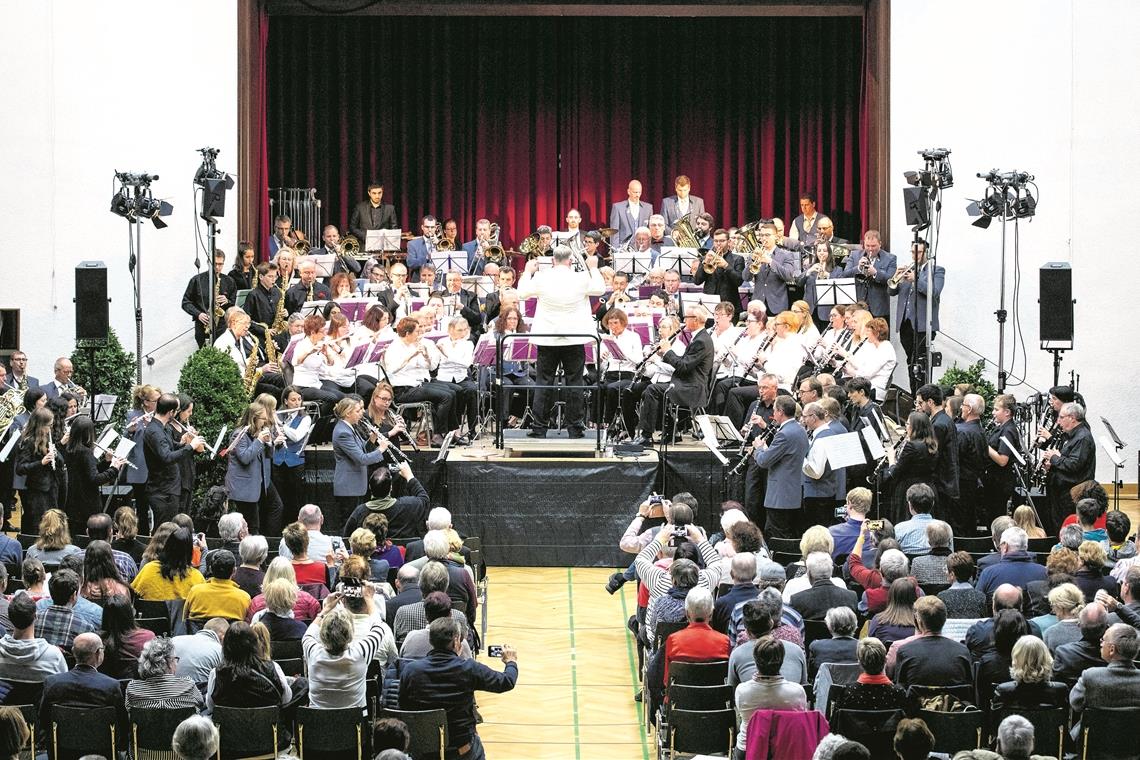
34,576
219,596
248,679
336,663
171,575
280,599
123,638
1025,518
1017,566
196,738
461,585
743,574
846,533
1066,602
101,528
911,534
766,689
931,567
871,577
1059,568
698,642
85,610
1071,537
1031,687
931,659
1070,660
417,643
789,624
815,539
306,606
1117,683
1090,576
444,680
308,571
873,690
354,575
993,668
729,516
962,600
842,625
670,606
411,617
126,532
386,551
893,565
1015,736
657,580
249,576
101,576
312,519
58,623
54,540
1117,546
14,733
1089,514
980,636
199,653
232,529
407,587
157,685
391,733
913,740
83,685
999,525
760,618
814,602
897,621
362,543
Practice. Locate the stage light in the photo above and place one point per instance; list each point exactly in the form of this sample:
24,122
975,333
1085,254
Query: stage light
1025,206
154,209
121,204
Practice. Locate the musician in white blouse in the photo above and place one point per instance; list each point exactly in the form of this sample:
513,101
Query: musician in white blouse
457,353
739,364
312,353
785,355
408,363
656,370
618,378
874,358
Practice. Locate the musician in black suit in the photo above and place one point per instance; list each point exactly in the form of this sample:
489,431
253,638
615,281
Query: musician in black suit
724,281
1071,462
1001,474
928,399
163,459
196,299
308,288
691,373
682,205
466,303
261,302
372,214
330,243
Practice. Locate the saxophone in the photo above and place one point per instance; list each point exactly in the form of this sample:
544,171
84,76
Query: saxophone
219,312
270,345
252,374
279,317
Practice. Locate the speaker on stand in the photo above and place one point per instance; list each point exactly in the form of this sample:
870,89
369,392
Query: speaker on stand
1055,298
91,316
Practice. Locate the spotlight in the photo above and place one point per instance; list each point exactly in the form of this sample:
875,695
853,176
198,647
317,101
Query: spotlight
1025,206
121,204
154,209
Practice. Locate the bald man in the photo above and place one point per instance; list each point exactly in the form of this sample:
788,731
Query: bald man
626,216
84,685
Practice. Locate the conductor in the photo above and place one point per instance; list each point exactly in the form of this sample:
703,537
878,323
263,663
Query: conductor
562,316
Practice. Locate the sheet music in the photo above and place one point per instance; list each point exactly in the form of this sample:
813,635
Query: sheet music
218,441
842,450
382,240
7,450
106,440
1013,450
874,445
104,405
123,448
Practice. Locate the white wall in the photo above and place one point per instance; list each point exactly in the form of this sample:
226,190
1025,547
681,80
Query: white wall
91,88
1044,86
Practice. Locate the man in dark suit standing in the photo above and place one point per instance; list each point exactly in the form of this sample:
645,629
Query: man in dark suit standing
691,373
872,268
681,205
626,216
783,459
372,214
163,459
1072,462
83,685
913,291
928,399
18,376
770,285
196,299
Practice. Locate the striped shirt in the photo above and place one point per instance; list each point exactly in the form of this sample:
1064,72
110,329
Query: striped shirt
659,581
411,617
165,691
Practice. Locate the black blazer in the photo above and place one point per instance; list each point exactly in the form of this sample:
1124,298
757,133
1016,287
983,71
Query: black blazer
691,371
162,460
84,476
946,475
297,294
196,299
29,463
362,215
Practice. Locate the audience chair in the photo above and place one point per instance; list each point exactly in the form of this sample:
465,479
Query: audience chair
337,734
784,545
963,691
248,733
663,631
982,544
701,698
152,729
428,729
712,673
31,716
160,625
700,731
784,559
1104,733
286,649
294,666
27,540
1039,545
830,676
23,692
1049,727
874,729
78,731
15,584
954,731
813,631
150,609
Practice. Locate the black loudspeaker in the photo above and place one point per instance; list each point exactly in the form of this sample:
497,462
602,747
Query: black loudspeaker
214,198
91,301
914,201
1056,301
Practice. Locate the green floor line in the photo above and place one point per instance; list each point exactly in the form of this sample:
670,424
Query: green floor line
573,662
633,674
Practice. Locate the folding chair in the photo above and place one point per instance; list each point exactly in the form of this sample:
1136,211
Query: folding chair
78,731
247,733
954,731
814,630
874,729
699,731
332,734
428,729
152,730
1101,733
1049,727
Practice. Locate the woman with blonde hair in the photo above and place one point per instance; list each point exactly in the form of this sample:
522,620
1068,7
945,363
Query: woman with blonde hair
144,399
1090,576
126,537
1025,518
1030,687
306,606
815,539
807,328
1066,602
54,542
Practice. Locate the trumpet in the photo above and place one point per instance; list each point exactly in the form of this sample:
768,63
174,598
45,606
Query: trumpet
899,275
714,261
758,259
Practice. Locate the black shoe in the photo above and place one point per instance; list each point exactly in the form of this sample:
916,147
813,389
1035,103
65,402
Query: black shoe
536,433
460,440
616,581
641,440
637,697
576,433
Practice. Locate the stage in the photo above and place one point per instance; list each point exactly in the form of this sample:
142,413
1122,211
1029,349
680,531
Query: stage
547,502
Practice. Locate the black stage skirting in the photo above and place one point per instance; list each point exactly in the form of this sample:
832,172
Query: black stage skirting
550,511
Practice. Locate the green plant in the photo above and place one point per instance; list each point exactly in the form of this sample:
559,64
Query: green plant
113,372
212,379
971,375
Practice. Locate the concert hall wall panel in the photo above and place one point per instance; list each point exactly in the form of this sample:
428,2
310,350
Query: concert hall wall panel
518,119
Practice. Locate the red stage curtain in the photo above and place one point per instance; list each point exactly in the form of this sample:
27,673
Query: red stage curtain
518,119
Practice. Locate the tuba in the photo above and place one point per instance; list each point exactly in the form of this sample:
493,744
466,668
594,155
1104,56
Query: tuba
11,407
684,235
493,251
747,239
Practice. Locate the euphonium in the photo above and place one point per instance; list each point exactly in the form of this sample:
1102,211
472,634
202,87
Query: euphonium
747,240
438,241
349,245
684,235
531,246
252,374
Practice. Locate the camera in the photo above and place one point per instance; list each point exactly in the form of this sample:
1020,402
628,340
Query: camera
494,650
841,513
655,498
874,525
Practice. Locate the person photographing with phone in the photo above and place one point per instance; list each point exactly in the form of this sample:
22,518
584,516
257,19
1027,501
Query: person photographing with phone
444,680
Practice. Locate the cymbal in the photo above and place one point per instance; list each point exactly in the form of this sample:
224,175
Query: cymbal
607,231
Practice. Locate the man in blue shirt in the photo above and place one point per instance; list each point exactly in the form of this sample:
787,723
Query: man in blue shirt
911,534
445,680
846,533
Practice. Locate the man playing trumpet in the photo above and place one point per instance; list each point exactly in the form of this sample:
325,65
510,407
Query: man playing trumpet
720,271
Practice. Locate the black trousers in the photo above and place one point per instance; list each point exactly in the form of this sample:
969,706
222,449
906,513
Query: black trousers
820,511
784,523
755,487
572,360
326,395
914,353
166,506
720,394
466,402
142,508
737,402
650,408
441,398
264,515
290,485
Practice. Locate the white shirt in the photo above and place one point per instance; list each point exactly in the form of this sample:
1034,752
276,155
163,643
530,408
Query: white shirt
456,358
230,345
417,369
630,344
563,303
785,358
634,209
744,352
876,363
307,374
722,343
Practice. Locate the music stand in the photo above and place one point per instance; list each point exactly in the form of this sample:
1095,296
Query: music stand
384,241
104,406
632,262
481,285
1113,447
325,263
678,258
447,261
1020,463
444,447
710,302
544,262
837,292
